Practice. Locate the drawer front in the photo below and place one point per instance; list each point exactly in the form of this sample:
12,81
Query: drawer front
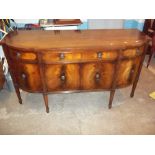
97,76
49,57
99,55
127,71
62,77
129,53
28,77
75,56
19,55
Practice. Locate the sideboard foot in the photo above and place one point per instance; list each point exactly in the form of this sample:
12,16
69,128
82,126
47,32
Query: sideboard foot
112,92
47,109
46,102
18,94
20,101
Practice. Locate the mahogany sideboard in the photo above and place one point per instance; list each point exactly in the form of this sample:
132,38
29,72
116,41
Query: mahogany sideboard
74,61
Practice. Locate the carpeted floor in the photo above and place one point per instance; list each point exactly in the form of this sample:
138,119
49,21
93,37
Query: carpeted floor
81,113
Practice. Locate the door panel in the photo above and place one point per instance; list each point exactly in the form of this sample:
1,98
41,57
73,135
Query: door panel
88,72
127,71
62,77
28,77
97,75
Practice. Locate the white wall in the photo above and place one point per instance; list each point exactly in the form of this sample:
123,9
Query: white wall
105,23
27,21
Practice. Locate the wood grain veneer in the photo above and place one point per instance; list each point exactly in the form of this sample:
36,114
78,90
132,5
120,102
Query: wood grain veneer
73,61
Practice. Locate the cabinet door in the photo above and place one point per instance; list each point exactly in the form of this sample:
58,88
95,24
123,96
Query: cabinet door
62,77
28,77
127,71
96,75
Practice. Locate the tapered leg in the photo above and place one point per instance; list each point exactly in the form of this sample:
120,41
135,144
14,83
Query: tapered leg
15,86
133,89
18,94
112,92
150,56
46,102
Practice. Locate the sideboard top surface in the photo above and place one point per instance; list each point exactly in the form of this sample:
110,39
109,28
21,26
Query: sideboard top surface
70,39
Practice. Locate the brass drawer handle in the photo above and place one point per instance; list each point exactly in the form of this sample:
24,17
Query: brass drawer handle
62,56
23,76
63,77
99,55
97,76
138,51
132,71
18,55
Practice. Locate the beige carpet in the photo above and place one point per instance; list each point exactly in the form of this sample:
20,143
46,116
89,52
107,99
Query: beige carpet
81,113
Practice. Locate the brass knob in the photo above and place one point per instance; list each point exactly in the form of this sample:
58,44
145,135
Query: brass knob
137,51
99,55
132,71
62,56
23,76
63,77
97,76
18,55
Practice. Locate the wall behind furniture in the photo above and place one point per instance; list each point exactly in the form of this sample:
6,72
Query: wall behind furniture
134,24
105,23
22,22
98,23
116,24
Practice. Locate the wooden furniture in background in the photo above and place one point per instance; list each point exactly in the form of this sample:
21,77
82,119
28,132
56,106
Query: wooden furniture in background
153,44
149,30
32,27
74,61
59,23
2,78
67,21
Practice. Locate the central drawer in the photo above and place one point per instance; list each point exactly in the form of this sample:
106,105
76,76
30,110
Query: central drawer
78,56
53,56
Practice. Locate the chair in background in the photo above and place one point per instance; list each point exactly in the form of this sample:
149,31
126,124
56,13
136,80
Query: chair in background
32,27
2,77
153,47
149,29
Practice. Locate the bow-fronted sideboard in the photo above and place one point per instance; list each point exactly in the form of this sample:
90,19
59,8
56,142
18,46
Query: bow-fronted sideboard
74,61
